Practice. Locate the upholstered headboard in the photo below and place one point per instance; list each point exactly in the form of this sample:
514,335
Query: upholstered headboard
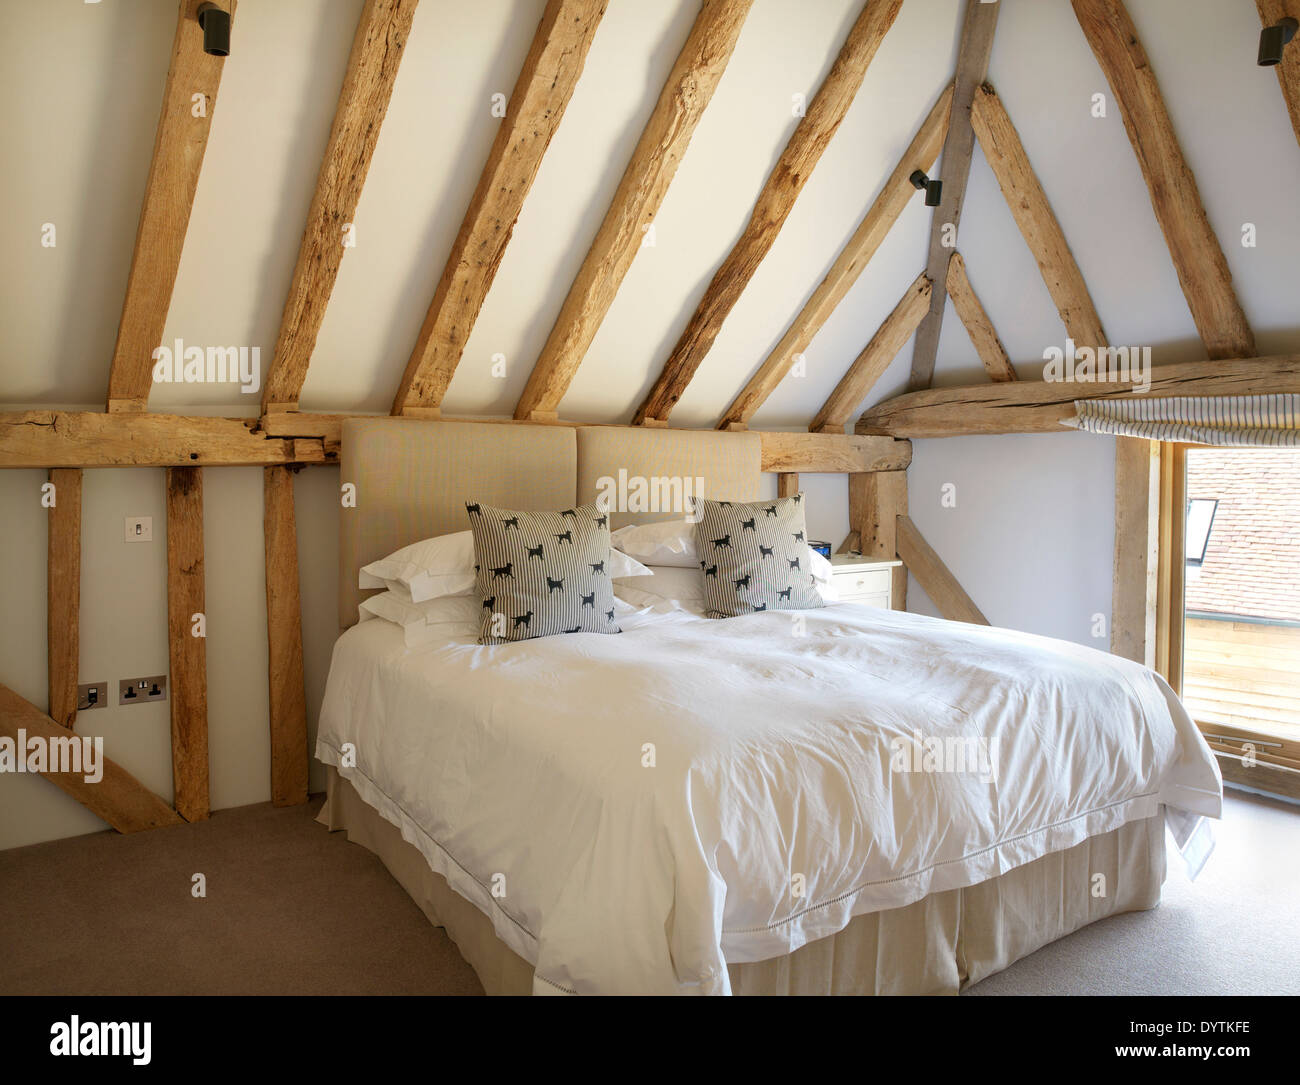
413,478
729,465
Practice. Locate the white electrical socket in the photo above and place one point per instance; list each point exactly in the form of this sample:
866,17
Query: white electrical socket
139,529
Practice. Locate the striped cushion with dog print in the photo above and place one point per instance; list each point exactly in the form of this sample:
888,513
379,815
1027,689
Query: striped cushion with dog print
537,574
755,557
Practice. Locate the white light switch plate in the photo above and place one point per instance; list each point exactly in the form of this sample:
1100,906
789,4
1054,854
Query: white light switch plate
139,529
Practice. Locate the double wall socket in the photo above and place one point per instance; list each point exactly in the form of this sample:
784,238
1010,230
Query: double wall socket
142,690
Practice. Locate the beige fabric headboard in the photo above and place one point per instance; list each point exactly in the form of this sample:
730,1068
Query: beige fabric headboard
729,463
413,478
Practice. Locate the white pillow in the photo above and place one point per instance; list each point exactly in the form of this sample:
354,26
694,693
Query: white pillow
668,543
444,565
450,617
671,543
670,589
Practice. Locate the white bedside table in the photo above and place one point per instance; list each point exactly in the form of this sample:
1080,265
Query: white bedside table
865,581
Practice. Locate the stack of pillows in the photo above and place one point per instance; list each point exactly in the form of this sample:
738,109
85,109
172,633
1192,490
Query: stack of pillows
516,575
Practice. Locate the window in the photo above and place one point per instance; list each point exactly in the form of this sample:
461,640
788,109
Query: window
1228,638
1200,521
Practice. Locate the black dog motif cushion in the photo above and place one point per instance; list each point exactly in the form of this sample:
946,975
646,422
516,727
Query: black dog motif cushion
755,557
541,573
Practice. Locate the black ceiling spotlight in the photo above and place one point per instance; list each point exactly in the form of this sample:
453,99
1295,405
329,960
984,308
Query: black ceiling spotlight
1272,39
933,189
216,30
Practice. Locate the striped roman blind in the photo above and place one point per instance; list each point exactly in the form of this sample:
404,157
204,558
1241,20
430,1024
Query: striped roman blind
1269,421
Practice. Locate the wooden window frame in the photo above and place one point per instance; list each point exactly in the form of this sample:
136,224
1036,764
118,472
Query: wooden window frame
1279,765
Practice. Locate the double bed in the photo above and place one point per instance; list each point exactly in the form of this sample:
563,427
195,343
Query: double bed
840,800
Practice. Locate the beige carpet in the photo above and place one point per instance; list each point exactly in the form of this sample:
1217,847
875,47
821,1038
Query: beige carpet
291,908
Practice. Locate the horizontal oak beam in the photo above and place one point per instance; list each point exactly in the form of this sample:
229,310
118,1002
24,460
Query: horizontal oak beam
1041,407
783,452
144,439
118,798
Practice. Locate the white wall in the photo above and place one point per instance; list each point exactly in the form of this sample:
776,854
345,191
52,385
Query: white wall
124,629
1030,538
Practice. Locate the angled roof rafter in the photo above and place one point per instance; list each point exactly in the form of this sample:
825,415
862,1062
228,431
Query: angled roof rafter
894,332
667,134
973,53
1198,258
1034,216
377,48
970,310
541,94
849,264
802,152
1271,12
178,150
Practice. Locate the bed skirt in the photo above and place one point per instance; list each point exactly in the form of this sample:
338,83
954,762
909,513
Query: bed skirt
938,945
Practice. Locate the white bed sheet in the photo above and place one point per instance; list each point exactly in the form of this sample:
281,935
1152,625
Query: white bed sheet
771,815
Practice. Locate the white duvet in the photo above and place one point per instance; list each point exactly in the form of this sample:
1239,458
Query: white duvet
635,811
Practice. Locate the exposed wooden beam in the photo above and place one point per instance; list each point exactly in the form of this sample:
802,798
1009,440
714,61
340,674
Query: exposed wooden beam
141,439
186,651
815,453
1172,565
1197,257
830,453
852,541
1033,214
63,591
876,501
1040,407
934,576
787,484
972,66
377,48
1271,12
1137,506
975,319
178,148
533,115
118,798
848,265
792,170
686,93
288,698
871,364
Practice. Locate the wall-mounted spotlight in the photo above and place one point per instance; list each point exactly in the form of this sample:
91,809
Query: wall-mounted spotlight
216,30
933,189
1272,39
